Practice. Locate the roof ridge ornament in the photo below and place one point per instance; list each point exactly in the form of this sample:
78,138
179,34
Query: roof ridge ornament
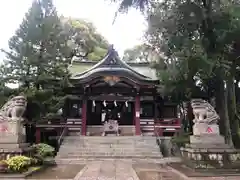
112,54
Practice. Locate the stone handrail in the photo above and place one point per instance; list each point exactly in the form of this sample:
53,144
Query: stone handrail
64,132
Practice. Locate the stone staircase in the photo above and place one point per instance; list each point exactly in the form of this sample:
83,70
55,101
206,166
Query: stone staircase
79,149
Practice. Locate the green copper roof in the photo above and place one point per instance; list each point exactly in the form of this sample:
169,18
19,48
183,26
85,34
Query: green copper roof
143,68
111,64
78,67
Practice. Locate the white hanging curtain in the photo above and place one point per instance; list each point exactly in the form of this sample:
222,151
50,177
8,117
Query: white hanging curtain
104,103
94,104
126,103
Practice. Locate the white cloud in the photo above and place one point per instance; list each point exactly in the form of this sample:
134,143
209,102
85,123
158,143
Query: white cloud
125,33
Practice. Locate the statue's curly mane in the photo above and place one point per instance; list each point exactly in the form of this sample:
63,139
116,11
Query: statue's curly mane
14,108
204,112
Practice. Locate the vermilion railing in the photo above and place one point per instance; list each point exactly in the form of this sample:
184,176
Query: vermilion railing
170,125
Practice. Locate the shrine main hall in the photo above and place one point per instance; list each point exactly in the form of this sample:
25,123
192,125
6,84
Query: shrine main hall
111,88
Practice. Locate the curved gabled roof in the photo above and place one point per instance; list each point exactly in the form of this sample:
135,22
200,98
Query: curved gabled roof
111,63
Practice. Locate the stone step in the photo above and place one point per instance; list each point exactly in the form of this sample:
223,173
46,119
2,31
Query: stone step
73,145
77,144
108,143
108,152
132,160
110,155
111,141
109,149
126,138
113,150
110,138
153,145
137,146
120,147
130,156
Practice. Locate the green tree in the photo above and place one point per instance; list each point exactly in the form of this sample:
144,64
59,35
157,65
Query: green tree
85,39
39,56
206,31
140,53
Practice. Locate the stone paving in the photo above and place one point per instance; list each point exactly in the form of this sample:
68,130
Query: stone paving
107,170
123,170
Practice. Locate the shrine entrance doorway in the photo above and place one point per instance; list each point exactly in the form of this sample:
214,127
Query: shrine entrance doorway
100,111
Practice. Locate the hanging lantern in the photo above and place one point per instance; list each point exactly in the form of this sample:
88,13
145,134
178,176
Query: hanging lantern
115,103
94,104
126,103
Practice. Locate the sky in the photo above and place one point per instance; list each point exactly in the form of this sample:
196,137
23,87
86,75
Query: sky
126,32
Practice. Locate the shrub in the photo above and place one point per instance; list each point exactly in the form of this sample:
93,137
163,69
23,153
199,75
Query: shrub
181,140
43,150
18,163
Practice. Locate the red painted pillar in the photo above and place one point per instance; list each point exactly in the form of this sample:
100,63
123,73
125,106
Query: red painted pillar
84,118
38,135
137,116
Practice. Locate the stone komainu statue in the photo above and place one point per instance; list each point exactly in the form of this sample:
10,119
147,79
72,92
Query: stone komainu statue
204,112
13,109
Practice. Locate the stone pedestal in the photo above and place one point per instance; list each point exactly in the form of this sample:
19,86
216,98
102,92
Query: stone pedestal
210,151
13,139
207,148
207,140
205,129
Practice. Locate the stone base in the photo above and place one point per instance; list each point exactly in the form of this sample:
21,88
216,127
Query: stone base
12,139
11,145
205,129
15,149
207,156
207,140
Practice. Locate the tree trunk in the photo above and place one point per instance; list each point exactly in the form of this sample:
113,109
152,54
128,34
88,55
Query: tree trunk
184,119
224,113
232,109
190,117
219,105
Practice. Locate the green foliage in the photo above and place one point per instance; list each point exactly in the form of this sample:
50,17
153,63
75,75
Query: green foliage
38,45
43,150
181,140
125,5
200,45
40,54
140,53
87,42
38,59
18,163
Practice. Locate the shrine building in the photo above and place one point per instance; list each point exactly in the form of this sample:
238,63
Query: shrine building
128,91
